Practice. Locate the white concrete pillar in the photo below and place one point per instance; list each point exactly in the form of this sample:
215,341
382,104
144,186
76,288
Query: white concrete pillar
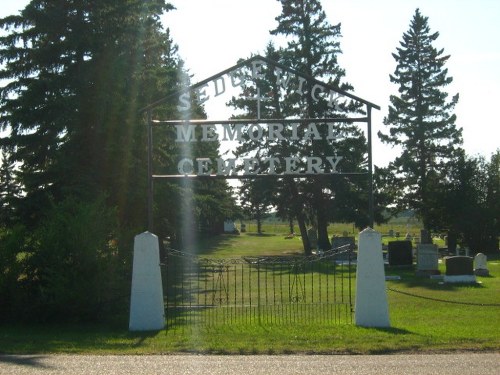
146,301
371,308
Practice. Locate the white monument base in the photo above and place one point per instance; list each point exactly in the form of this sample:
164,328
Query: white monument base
469,279
146,301
371,296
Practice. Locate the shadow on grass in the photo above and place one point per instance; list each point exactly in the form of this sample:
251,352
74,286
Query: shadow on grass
141,337
66,338
409,279
262,234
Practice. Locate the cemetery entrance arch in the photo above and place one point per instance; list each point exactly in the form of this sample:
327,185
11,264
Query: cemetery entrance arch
290,82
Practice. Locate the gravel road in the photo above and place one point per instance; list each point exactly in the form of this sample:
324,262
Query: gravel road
400,364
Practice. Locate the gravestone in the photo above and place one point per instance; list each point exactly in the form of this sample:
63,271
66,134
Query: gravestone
312,235
400,253
345,247
229,227
481,265
451,242
342,242
459,269
425,236
427,260
391,232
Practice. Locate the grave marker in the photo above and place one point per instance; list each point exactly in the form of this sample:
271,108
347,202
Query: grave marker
481,265
427,260
400,253
459,269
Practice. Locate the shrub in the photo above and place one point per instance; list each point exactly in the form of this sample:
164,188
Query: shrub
70,267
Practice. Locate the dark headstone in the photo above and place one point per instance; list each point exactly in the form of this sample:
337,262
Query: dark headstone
312,235
459,265
452,242
339,242
400,253
425,237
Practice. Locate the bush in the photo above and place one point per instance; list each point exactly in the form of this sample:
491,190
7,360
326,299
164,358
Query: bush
70,267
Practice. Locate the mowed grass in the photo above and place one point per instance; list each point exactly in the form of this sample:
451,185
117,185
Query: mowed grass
426,316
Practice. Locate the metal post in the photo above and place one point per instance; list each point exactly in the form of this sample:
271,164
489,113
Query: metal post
370,167
150,172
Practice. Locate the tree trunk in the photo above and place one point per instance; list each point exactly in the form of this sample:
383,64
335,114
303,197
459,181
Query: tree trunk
323,241
259,222
321,218
299,214
303,232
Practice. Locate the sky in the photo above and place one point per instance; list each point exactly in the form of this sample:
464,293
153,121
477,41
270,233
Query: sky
213,35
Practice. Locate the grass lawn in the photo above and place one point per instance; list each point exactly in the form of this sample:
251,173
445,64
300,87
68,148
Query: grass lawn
422,320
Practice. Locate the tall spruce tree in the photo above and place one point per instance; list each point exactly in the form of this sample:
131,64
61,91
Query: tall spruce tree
420,119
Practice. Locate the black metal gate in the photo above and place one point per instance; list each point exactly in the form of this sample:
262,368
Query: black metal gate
259,290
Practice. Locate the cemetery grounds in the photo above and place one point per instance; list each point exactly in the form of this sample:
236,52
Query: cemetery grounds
427,316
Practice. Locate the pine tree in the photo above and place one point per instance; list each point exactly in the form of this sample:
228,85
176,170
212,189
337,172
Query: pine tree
420,119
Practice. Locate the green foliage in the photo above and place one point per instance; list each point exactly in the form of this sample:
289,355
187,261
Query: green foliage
468,204
9,189
69,269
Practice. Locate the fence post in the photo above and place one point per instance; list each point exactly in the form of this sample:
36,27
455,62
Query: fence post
147,311
371,308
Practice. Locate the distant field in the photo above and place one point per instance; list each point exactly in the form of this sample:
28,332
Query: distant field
399,226
278,227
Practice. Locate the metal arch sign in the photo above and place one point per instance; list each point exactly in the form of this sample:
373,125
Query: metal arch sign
289,82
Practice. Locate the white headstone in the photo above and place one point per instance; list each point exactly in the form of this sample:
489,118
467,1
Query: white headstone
427,259
147,312
480,261
229,226
372,309
481,265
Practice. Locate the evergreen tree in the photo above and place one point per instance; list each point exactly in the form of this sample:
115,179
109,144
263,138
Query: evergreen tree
420,119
